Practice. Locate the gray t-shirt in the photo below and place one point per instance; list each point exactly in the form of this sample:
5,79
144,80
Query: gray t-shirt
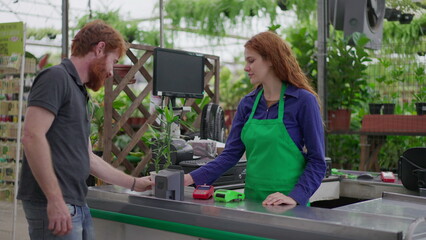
59,90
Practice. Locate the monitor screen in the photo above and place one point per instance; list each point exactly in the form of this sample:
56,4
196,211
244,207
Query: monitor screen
178,73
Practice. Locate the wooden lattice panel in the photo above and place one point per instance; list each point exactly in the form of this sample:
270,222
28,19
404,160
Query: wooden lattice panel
114,122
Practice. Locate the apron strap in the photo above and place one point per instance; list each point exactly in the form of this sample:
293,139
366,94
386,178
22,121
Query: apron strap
280,106
253,110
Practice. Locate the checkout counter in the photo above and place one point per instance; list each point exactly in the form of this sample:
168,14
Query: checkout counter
121,214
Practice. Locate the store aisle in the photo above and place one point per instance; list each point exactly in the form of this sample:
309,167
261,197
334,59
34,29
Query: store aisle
6,213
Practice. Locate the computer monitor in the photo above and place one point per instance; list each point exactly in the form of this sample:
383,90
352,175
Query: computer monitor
178,74
412,168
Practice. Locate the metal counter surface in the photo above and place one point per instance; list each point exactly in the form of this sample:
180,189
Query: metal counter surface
396,205
251,218
369,189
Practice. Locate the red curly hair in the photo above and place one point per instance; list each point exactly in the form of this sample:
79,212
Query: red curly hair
94,32
284,64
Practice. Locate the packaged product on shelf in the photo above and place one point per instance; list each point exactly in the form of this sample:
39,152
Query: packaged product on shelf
7,192
9,172
7,150
2,169
9,86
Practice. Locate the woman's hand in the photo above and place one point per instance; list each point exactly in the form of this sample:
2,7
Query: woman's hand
187,180
278,208
278,198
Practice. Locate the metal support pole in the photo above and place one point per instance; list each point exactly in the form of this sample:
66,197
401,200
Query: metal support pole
158,100
161,23
321,56
19,133
64,29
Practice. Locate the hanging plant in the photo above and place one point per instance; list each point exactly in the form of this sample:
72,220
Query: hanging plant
305,10
212,16
403,5
406,36
40,33
129,30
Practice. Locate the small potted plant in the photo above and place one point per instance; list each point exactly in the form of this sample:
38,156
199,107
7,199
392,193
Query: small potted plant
375,106
122,70
160,138
389,103
420,99
346,78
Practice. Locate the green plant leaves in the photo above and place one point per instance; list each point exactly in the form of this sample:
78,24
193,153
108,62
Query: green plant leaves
213,17
346,76
360,39
160,139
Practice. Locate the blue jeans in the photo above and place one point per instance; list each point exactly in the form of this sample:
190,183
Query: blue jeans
36,214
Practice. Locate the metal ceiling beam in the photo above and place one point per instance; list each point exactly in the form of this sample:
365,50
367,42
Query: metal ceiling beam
11,10
28,14
53,6
48,3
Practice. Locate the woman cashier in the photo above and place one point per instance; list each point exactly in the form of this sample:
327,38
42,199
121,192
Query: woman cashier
279,127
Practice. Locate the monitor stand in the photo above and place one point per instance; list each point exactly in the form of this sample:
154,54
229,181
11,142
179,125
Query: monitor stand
177,111
175,131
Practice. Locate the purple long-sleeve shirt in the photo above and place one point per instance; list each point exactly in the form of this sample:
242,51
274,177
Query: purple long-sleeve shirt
304,124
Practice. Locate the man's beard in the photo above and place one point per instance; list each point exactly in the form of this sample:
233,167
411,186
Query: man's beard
97,74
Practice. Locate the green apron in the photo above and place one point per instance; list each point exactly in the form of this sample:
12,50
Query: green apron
274,163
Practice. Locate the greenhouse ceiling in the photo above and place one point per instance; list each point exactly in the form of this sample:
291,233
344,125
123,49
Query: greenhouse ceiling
39,14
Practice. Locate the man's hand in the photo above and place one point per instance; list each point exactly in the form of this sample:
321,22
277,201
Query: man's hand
143,184
278,198
59,217
187,180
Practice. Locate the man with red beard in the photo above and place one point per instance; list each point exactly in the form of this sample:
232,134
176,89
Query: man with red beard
58,154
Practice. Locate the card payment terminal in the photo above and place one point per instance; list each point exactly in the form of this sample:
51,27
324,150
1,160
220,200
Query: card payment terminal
203,192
